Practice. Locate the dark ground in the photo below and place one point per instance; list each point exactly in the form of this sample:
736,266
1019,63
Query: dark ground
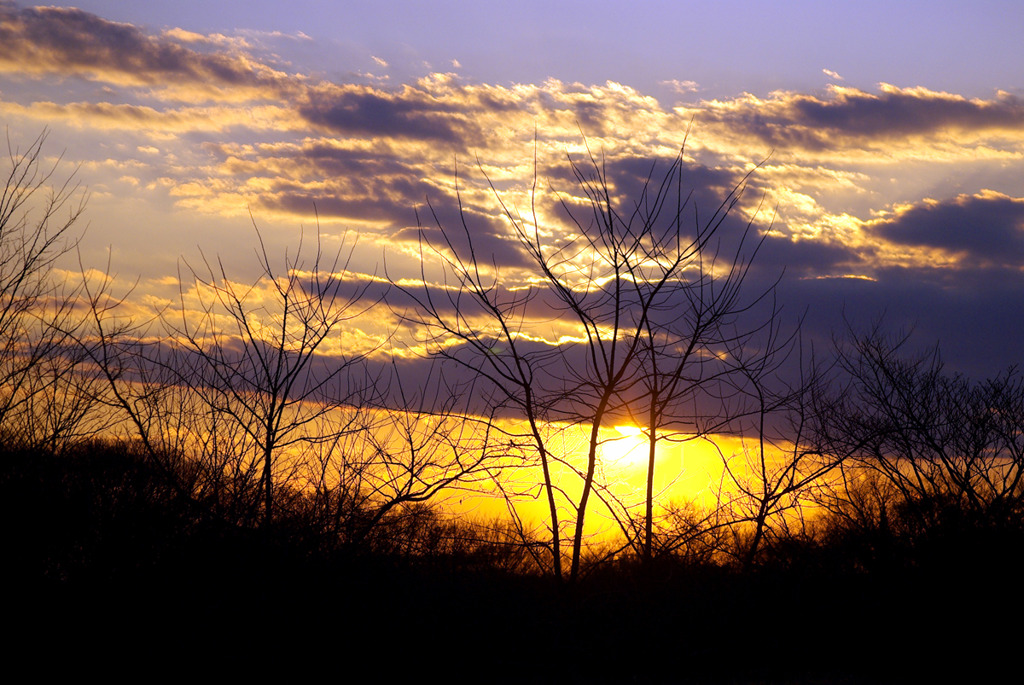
108,571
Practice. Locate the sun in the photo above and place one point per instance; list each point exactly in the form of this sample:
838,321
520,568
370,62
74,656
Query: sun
624,446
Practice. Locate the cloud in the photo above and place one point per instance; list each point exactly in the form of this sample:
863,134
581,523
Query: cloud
443,109
804,258
180,65
257,35
832,74
850,117
217,40
682,87
986,227
159,123
409,113
71,41
881,196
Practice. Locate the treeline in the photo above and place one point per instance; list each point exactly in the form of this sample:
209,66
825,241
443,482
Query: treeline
107,562
225,455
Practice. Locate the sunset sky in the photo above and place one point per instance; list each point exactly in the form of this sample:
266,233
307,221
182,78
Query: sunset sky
893,133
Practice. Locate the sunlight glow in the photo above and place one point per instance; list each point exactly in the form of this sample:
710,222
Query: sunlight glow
628,448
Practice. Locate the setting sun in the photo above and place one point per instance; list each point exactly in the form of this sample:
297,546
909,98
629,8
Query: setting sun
627,448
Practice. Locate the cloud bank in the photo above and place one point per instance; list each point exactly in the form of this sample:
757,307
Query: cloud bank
903,201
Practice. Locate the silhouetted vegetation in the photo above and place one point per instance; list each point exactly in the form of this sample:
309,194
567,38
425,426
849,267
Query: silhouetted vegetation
181,483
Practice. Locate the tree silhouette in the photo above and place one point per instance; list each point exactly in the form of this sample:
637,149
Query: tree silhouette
781,464
402,446
932,437
703,329
240,374
37,215
259,355
636,284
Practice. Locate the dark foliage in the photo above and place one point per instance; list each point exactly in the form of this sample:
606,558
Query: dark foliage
96,537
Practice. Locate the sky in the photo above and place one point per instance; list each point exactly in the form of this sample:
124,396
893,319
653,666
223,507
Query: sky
889,137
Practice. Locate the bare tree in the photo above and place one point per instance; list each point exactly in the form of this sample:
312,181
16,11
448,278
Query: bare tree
700,326
781,465
60,396
240,391
238,376
139,390
402,446
936,440
37,214
620,276
257,350
497,353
